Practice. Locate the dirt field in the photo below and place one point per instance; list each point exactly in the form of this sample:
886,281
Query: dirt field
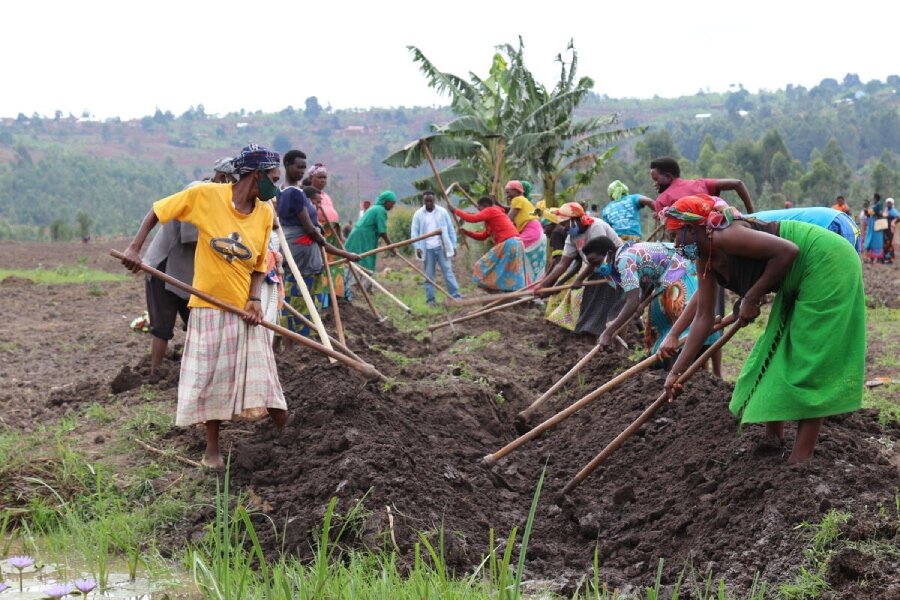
688,487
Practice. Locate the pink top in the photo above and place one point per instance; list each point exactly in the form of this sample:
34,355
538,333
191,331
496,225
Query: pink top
330,215
681,188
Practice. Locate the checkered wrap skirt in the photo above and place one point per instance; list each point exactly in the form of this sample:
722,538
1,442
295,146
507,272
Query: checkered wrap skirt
228,370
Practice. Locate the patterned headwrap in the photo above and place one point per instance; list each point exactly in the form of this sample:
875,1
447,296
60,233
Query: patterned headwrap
256,158
516,186
526,189
711,211
385,196
617,189
317,169
573,210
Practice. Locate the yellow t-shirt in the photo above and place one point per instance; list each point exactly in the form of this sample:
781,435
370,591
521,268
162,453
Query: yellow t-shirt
231,245
525,209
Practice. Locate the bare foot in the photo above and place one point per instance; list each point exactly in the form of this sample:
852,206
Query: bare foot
281,418
214,463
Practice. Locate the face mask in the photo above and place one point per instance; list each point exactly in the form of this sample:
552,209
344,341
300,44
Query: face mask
574,230
689,251
604,270
266,190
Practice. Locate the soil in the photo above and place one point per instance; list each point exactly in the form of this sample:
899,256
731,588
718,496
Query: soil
688,487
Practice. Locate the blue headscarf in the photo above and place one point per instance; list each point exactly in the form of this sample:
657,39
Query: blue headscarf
255,158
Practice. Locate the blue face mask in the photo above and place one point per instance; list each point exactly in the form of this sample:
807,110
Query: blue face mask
574,230
604,270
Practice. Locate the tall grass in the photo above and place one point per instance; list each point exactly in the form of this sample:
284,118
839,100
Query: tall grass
63,274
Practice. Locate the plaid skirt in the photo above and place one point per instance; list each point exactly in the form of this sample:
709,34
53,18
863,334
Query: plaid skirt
228,370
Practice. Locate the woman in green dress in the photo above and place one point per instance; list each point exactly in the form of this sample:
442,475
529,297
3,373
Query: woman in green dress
809,363
367,231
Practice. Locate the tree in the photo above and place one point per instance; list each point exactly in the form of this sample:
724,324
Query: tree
655,144
313,108
509,125
884,179
84,224
281,143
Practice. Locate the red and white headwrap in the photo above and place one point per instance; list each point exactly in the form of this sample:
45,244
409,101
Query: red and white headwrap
317,169
516,186
573,210
711,211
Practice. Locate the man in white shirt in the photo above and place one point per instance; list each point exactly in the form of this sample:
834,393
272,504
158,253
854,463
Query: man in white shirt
435,250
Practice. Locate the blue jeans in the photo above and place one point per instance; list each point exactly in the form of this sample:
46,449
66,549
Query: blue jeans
436,256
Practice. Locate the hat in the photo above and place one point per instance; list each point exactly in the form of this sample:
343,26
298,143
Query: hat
224,165
571,210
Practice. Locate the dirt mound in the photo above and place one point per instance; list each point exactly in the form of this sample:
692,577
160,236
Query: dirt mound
687,487
882,285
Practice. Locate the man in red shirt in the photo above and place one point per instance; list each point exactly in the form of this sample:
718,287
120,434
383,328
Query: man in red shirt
666,175
503,267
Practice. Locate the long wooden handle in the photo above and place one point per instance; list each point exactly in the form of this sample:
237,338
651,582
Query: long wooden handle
477,314
561,416
518,294
364,368
393,246
648,412
526,414
335,342
364,272
335,310
427,278
304,291
437,177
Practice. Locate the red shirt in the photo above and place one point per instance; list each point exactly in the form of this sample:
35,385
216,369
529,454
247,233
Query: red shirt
681,188
496,224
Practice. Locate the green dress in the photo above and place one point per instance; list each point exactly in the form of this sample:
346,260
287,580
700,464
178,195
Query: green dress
366,232
810,361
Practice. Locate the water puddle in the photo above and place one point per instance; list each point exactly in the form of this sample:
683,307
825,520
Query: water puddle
36,583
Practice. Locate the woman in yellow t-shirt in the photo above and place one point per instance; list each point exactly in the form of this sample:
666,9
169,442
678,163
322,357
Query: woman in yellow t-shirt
228,369
521,213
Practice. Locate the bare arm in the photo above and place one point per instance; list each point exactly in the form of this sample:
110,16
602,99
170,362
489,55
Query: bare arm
736,185
632,301
132,258
313,232
648,202
253,307
700,328
513,212
553,275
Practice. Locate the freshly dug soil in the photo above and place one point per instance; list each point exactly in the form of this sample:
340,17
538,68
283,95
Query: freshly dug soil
689,487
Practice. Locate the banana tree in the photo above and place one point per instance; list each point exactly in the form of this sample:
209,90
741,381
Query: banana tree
514,127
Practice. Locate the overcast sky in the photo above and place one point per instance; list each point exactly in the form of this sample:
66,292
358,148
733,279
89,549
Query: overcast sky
127,58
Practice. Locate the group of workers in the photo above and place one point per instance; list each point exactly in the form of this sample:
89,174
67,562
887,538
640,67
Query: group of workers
808,258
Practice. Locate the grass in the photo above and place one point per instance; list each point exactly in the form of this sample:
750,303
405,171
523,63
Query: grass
65,274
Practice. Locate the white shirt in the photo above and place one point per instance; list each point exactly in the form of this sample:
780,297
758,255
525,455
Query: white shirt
430,225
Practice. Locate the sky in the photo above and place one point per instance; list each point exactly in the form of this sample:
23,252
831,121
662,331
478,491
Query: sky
126,58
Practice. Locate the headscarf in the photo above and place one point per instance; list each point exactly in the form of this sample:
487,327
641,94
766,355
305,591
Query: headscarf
317,169
256,158
617,189
573,210
711,211
526,189
224,165
385,196
516,186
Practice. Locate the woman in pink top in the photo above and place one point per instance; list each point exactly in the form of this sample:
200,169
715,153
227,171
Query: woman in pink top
331,223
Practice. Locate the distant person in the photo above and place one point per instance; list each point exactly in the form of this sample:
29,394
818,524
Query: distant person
666,175
438,249
598,302
299,216
172,251
890,234
875,231
363,207
502,269
228,369
593,211
841,204
528,224
864,222
788,204
623,211
330,221
367,231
